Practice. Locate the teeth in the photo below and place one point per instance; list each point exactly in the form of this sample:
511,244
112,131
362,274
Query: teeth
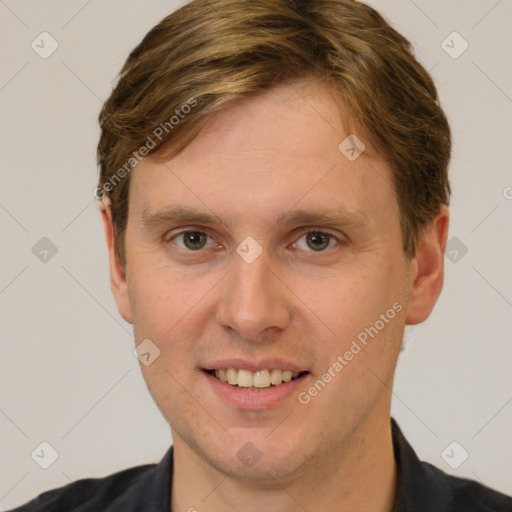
222,375
244,378
232,376
260,379
276,377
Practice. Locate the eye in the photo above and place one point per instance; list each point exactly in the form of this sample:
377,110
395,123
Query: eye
316,241
192,240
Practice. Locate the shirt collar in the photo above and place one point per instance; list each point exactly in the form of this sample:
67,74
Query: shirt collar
152,493
420,486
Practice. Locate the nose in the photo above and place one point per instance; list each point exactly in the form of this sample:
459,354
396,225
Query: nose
254,301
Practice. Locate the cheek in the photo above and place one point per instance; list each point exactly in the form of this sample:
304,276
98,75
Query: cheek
354,299
358,360
168,310
161,298
174,311
365,314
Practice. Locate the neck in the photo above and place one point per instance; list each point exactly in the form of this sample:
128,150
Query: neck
360,476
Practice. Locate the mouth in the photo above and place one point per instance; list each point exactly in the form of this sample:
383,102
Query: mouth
255,381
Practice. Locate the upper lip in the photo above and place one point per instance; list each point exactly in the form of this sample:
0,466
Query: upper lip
255,364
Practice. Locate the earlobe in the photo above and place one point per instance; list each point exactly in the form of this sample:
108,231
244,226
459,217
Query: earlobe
118,283
427,269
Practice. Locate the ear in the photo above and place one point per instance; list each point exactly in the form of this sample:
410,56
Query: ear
427,269
117,272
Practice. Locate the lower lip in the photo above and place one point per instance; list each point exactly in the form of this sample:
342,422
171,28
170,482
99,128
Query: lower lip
255,400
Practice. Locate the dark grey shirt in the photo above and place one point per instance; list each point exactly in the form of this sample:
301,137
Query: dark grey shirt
421,487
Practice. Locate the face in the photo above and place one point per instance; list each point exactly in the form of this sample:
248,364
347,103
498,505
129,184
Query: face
263,252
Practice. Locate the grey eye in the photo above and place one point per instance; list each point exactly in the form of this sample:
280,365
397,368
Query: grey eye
316,241
192,240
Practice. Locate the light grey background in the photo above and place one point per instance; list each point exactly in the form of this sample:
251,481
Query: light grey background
68,375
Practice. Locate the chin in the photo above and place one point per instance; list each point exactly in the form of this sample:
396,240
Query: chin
255,455
267,471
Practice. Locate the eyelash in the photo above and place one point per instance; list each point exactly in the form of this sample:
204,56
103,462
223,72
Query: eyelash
339,242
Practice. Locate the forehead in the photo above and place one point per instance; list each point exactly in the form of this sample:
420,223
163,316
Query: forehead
281,148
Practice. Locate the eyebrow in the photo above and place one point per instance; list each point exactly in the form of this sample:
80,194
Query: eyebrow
337,216
177,214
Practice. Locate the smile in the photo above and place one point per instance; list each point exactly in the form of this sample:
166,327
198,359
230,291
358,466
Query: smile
264,378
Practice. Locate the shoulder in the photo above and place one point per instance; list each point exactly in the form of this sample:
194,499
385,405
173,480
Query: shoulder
423,487
472,496
91,494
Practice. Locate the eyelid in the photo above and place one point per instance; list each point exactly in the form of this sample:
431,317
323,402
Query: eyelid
311,253
311,229
173,233
170,236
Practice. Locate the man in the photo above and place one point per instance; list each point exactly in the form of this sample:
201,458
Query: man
274,194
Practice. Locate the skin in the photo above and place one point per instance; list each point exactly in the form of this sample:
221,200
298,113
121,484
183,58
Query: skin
258,159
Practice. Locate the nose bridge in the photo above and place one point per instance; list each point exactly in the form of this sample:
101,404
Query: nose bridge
253,299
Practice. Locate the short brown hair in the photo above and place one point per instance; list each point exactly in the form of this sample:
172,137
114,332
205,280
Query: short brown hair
209,53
